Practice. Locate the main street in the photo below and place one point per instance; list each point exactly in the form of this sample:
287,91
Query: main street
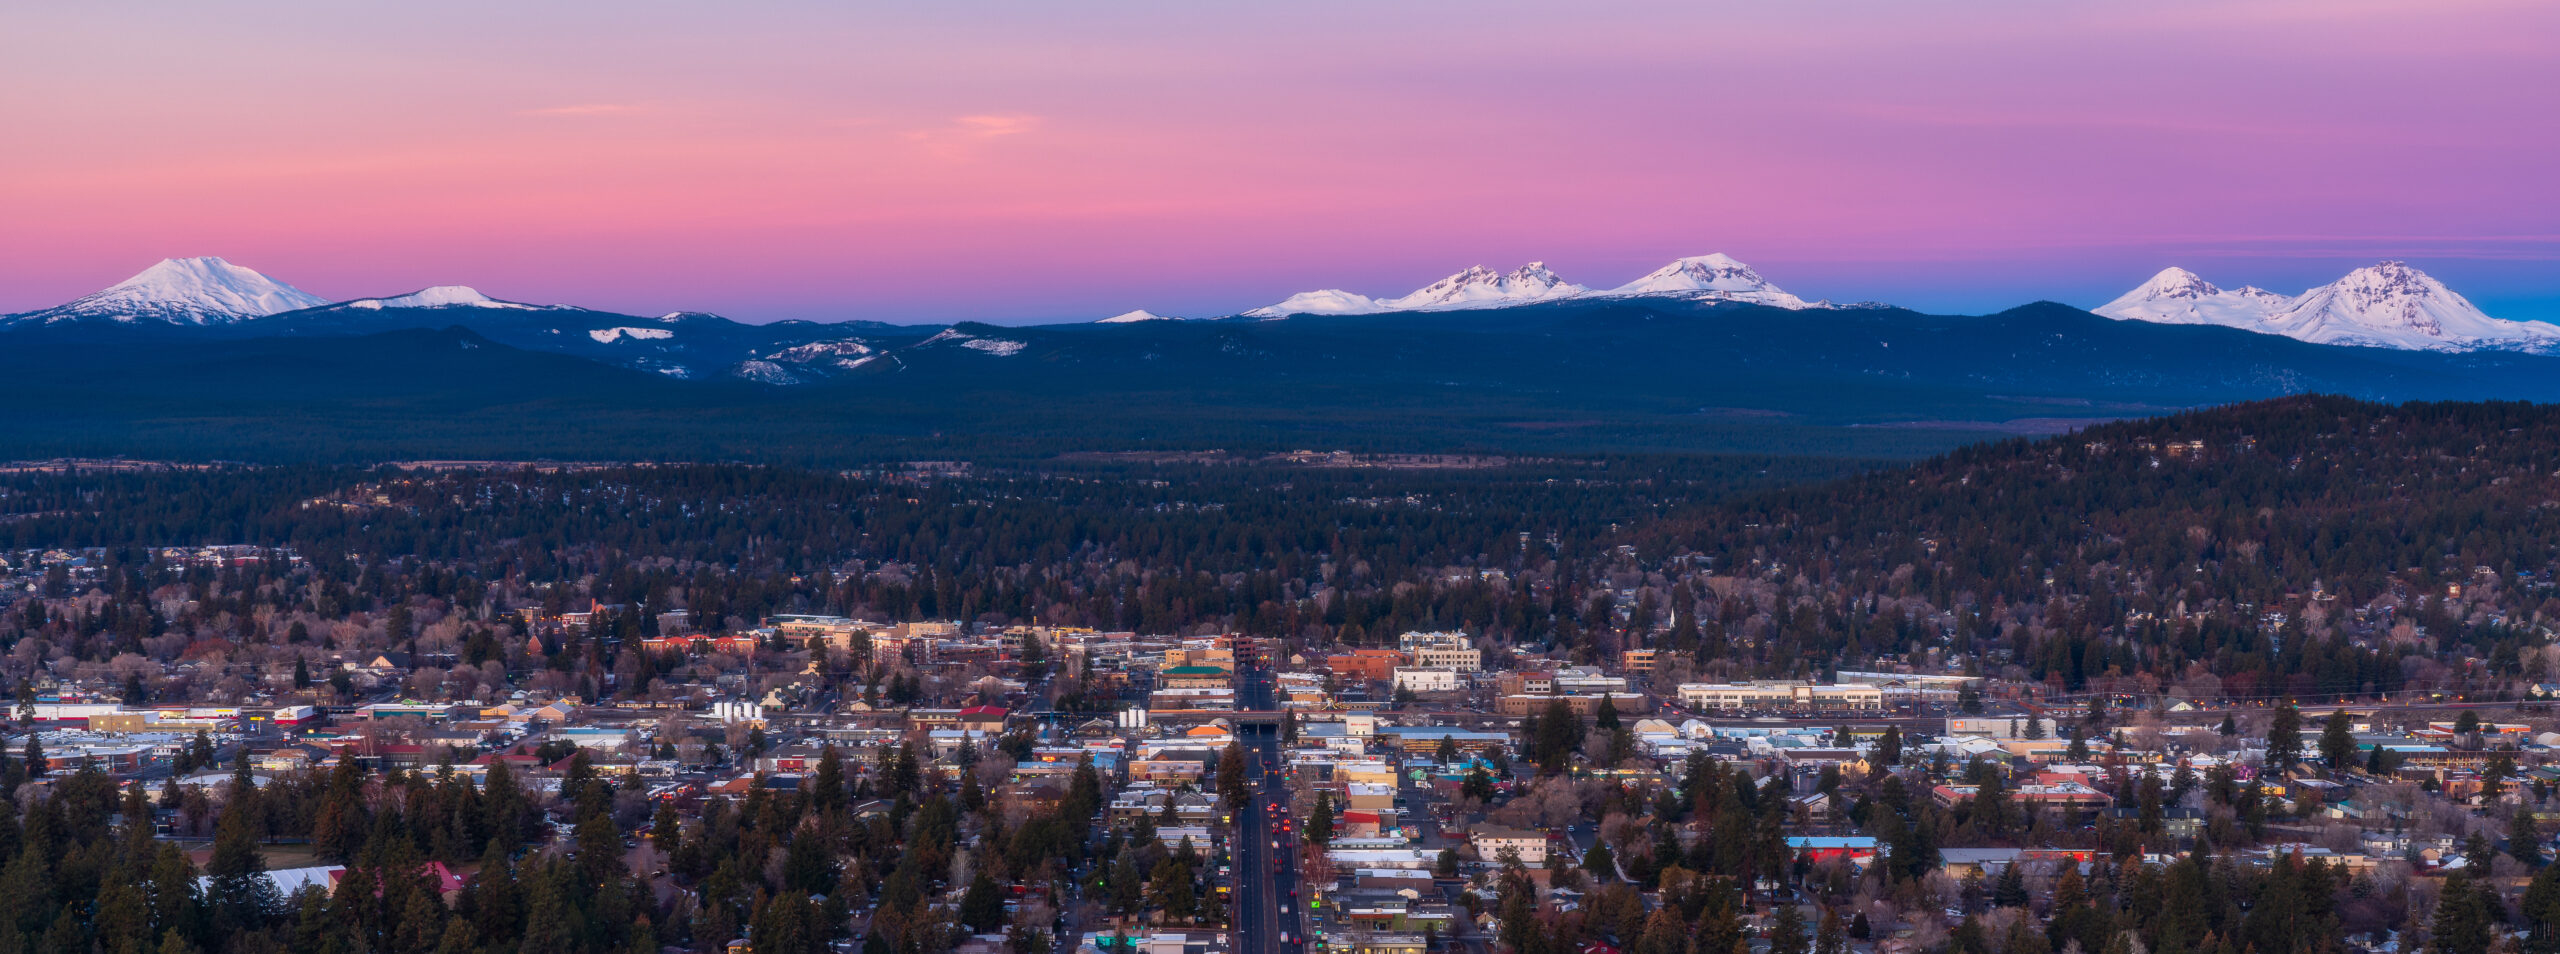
1266,877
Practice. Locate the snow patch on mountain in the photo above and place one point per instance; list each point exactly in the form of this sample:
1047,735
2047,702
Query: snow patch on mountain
1133,317
764,372
2386,305
611,335
843,352
189,291
438,296
995,346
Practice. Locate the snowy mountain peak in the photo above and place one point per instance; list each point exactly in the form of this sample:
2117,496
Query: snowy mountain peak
1481,287
1134,317
2393,305
190,291
1711,277
1330,301
2177,296
2175,282
437,296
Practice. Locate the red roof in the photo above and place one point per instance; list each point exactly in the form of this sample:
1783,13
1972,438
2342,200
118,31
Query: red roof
446,881
1359,816
996,711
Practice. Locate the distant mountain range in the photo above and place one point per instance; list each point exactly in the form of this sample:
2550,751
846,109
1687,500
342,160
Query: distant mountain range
2387,305
1715,277
199,357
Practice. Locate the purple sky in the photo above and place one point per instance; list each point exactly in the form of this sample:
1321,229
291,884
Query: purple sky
1056,161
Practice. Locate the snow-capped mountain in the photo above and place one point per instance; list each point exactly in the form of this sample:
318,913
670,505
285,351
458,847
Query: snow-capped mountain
183,291
1475,287
438,296
1712,277
1481,287
2386,305
1133,317
1330,301
2177,296
1716,277
2391,305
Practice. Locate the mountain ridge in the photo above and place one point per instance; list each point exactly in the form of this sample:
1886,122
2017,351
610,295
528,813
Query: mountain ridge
1585,374
2389,304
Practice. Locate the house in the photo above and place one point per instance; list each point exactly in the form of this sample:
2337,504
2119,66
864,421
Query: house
986,719
1858,850
1193,677
1388,944
1193,808
1491,841
1364,665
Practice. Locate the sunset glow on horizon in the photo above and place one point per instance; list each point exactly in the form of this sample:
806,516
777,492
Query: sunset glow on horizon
1025,161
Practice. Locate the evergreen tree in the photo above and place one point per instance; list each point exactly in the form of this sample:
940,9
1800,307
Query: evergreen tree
982,906
238,893
2284,739
1832,937
1786,932
2524,837
2462,918
2011,890
2337,744
1231,776
1172,891
1601,864
2541,909
1664,933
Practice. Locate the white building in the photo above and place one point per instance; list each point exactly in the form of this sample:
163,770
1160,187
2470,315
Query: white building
1422,679
1451,651
1779,695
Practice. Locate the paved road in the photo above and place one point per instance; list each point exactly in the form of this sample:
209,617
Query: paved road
1265,876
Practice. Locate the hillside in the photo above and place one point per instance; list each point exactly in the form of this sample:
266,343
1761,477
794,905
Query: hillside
2310,545
1577,376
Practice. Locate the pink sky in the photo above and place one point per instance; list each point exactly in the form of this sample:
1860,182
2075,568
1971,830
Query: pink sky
1057,161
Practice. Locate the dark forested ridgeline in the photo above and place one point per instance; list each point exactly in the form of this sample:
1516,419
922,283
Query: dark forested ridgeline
1269,548
1576,377
2312,546
2306,546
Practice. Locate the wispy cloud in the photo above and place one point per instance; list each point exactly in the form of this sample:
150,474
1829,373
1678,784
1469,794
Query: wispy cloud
989,127
959,138
581,109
